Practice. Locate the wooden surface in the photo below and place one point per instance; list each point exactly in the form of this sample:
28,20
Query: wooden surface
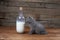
9,33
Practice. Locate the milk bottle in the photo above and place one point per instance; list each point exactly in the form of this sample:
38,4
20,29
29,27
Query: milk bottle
20,22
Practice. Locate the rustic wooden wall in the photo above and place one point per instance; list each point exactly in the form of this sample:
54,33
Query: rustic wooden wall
46,10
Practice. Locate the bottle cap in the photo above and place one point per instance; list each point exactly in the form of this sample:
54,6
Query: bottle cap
21,8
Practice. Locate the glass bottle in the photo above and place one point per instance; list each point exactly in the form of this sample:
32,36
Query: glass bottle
20,22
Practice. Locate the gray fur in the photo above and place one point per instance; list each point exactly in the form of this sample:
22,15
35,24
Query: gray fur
35,27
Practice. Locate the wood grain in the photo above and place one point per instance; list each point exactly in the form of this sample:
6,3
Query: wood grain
9,33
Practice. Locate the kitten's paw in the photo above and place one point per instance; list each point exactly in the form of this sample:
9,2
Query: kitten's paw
44,33
30,33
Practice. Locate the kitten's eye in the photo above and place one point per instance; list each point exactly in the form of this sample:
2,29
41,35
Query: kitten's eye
29,17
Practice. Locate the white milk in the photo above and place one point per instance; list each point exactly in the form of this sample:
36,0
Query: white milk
20,27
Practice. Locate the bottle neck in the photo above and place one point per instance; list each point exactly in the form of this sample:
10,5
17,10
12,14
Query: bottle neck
21,13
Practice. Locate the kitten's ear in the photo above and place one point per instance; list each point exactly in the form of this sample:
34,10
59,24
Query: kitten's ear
31,17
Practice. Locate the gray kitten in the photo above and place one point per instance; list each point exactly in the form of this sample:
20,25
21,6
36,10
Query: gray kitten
35,27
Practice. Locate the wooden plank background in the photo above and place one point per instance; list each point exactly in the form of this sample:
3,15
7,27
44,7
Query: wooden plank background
46,10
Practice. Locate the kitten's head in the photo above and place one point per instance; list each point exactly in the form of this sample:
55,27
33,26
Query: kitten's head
29,19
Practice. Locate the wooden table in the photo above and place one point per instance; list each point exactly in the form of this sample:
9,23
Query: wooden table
9,33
